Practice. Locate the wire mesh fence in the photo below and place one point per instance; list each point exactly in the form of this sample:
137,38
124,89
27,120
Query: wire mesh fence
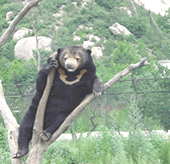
19,96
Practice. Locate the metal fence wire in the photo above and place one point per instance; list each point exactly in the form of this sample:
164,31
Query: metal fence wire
19,96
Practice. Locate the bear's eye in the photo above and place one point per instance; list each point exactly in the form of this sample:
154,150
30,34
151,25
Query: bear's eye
65,58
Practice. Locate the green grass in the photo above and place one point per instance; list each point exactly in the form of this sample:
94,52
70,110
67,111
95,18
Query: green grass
108,148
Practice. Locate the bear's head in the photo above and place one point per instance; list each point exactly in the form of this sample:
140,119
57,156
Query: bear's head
73,58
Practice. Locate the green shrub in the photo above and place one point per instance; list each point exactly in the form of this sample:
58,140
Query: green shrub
7,50
136,25
4,148
165,152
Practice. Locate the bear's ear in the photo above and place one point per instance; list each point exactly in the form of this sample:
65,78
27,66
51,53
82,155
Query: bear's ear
60,50
89,52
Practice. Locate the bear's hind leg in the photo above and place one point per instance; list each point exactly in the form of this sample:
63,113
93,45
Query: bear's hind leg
50,129
25,135
23,143
20,153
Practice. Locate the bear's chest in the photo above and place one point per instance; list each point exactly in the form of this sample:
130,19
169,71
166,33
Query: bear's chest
71,79
68,86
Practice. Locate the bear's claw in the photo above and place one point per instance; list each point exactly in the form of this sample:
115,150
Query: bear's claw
97,93
98,87
53,62
45,136
20,154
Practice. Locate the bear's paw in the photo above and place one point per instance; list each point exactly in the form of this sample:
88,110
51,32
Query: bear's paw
45,136
20,153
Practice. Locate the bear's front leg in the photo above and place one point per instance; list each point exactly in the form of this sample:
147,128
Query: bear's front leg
49,66
98,87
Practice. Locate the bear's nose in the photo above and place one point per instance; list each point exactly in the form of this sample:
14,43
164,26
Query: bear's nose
69,66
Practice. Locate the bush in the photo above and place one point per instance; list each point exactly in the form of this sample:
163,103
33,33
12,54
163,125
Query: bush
109,148
109,4
136,25
7,50
4,148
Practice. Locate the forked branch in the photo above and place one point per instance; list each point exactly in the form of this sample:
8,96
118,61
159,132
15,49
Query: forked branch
16,20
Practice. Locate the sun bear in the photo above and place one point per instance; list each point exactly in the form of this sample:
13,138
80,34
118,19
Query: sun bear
74,79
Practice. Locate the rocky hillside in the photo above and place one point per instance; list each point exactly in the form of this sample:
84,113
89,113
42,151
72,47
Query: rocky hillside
112,30
91,24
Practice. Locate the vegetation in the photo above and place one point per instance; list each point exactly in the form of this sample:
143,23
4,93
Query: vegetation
132,105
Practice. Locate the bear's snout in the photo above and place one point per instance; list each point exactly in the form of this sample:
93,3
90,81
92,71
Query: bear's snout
71,65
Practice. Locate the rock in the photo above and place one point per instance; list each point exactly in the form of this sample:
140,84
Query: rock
80,27
85,2
9,15
60,12
97,51
86,44
74,3
56,28
24,47
94,37
165,63
75,37
118,29
21,33
127,10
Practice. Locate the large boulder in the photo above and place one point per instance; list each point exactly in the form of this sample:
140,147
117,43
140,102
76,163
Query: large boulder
118,29
24,47
21,33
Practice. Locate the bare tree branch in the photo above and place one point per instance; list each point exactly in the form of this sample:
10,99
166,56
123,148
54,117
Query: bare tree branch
11,125
35,28
16,20
37,143
39,120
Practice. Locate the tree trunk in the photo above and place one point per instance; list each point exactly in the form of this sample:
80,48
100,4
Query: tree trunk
11,125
